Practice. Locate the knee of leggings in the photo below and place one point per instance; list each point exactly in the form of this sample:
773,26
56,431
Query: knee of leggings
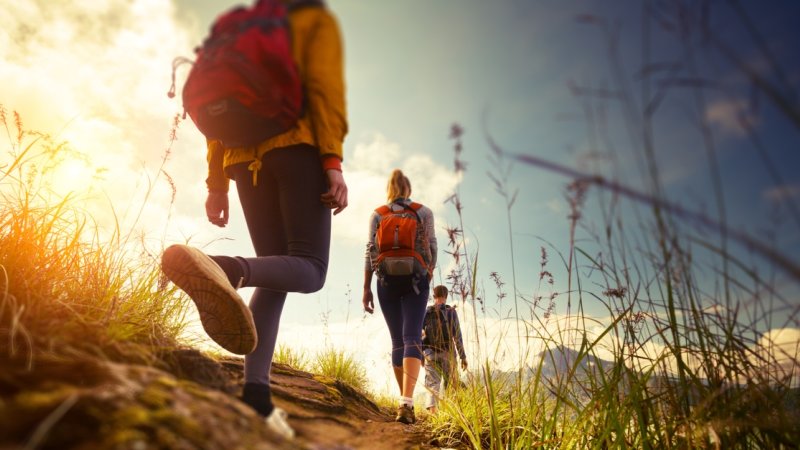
412,349
318,281
314,286
397,357
397,352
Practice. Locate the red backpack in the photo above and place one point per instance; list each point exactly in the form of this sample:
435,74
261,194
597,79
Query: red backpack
244,86
399,240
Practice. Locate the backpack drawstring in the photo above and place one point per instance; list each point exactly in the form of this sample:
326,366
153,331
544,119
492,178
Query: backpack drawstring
177,62
414,282
254,167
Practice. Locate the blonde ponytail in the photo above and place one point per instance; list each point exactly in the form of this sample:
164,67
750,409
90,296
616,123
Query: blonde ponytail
398,186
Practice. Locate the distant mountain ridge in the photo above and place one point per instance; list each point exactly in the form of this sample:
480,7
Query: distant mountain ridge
560,360
554,365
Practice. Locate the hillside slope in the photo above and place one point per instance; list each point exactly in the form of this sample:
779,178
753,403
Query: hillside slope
59,403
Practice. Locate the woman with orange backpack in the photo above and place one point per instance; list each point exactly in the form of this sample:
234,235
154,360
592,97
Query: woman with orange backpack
401,251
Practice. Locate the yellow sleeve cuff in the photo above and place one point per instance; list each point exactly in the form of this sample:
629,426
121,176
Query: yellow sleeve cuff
216,180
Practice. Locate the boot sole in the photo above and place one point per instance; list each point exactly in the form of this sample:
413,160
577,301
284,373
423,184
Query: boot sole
223,313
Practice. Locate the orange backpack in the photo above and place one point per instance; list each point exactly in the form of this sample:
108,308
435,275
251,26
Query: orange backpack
399,232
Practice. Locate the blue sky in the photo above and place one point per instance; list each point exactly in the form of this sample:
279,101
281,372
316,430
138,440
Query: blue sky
97,74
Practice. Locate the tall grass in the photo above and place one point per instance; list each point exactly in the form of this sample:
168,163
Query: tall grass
330,362
342,366
679,360
297,359
64,291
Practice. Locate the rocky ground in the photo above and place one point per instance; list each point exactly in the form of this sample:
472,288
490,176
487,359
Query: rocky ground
188,403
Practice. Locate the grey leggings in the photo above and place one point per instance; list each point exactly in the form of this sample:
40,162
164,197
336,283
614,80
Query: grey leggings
291,233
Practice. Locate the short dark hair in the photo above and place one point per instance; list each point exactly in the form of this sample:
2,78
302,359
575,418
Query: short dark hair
440,291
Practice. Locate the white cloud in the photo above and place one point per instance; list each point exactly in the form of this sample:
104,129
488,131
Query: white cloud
367,172
778,353
731,115
715,309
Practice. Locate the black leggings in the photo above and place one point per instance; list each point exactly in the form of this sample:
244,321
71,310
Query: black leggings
291,232
403,307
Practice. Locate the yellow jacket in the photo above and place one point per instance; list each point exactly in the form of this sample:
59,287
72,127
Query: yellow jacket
317,51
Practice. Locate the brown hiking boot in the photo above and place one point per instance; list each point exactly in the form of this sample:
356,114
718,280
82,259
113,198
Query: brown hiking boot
223,313
405,414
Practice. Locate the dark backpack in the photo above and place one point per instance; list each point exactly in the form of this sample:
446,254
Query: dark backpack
244,86
399,239
437,329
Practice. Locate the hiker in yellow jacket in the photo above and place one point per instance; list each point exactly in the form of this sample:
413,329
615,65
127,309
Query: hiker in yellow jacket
287,186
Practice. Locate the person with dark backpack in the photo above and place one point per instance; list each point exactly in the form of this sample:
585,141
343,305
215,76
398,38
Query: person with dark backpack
275,123
401,251
441,333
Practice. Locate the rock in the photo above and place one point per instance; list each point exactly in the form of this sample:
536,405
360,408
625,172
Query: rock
90,404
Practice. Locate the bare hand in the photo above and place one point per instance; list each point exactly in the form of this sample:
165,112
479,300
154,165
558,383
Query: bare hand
367,301
336,197
217,208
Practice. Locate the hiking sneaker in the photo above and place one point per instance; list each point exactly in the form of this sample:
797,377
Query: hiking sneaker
405,414
278,423
223,313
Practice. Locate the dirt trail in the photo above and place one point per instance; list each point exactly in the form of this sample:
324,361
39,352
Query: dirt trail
329,415
188,402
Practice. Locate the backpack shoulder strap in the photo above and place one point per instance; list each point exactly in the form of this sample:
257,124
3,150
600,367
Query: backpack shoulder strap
443,312
414,207
426,321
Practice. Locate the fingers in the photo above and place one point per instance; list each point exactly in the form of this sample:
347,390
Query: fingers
367,302
214,217
217,209
220,222
217,215
336,197
219,219
340,196
337,203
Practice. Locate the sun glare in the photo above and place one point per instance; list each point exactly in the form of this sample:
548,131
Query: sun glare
72,176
